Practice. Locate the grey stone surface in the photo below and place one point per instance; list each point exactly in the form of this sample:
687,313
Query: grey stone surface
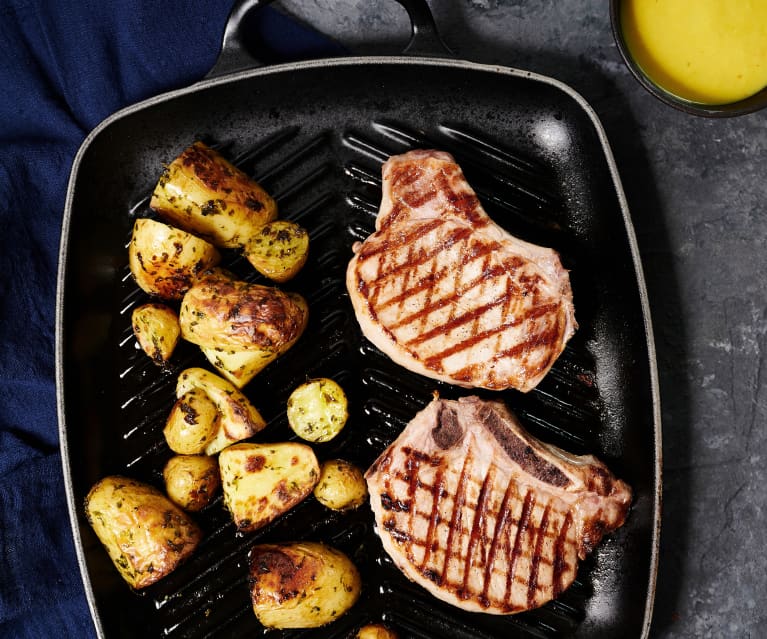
697,190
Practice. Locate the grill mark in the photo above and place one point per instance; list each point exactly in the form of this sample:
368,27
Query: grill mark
428,307
535,560
411,466
537,341
455,236
466,203
479,518
501,523
388,246
522,524
436,360
455,518
437,490
560,565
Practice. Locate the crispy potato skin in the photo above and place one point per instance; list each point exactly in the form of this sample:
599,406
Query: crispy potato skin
238,315
341,486
278,250
157,331
318,409
166,261
262,481
145,534
237,418
241,327
191,481
301,585
203,193
193,422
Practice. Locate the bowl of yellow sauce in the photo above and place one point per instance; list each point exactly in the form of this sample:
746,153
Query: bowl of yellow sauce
706,57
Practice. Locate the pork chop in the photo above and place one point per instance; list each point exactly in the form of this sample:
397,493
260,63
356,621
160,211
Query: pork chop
444,291
483,515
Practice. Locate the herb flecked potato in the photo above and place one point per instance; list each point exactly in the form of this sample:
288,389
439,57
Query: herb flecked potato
192,423
341,485
157,331
203,193
241,327
318,410
191,481
166,261
278,250
146,535
301,585
262,481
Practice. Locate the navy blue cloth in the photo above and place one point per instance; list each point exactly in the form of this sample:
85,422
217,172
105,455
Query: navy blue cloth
64,66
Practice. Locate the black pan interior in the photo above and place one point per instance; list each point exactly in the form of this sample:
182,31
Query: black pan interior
315,136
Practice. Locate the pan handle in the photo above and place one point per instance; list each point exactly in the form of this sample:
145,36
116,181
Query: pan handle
235,55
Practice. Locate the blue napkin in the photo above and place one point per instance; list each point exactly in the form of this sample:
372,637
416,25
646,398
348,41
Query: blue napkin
65,65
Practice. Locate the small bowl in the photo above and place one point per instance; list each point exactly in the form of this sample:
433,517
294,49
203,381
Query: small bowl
741,107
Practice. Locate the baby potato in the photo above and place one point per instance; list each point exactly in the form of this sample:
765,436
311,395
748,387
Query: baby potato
241,327
157,331
376,631
301,585
166,261
237,417
192,423
278,250
263,481
341,485
202,192
191,481
317,410
146,535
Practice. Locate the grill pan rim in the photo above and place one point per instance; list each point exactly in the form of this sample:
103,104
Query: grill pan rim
357,62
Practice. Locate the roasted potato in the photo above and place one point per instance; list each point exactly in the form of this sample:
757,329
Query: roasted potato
376,631
145,534
157,331
193,423
341,485
301,585
278,250
262,481
318,410
241,327
237,417
166,261
191,481
203,193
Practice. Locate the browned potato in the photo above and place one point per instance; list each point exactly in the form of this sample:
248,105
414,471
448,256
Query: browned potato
262,481
193,423
237,417
301,585
278,250
191,481
241,327
318,410
166,261
145,534
341,485
203,193
376,631
157,331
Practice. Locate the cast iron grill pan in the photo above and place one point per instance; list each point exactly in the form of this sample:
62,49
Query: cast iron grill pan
317,144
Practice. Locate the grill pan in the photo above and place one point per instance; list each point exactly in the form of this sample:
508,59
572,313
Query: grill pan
315,134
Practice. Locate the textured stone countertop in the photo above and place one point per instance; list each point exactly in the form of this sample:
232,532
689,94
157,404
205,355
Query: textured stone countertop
697,191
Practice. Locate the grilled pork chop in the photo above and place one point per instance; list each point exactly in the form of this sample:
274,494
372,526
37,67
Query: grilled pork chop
446,292
485,516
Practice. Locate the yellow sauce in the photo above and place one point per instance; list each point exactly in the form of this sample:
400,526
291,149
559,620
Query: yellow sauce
706,51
